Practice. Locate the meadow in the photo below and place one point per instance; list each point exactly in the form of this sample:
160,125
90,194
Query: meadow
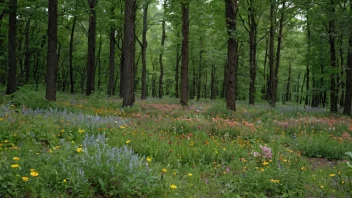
91,147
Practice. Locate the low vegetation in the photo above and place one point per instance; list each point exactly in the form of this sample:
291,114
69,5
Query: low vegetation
90,147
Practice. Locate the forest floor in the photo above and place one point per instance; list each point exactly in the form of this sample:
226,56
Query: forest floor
91,147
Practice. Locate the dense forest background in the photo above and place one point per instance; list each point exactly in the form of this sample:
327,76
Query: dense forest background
296,51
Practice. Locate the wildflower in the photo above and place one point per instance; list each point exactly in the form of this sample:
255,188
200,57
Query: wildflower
79,150
15,166
261,169
164,170
6,141
332,175
25,179
1,119
265,163
174,173
81,130
149,159
173,186
274,181
321,186
343,182
64,181
16,158
303,169
62,131
190,174
34,173
122,127
128,141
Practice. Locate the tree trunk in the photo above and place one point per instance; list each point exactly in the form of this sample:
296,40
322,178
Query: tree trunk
162,53
52,62
91,47
27,54
98,63
11,80
178,57
72,83
128,51
348,94
144,50
231,70
199,83
184,66
288,85
213,83
252,51
332,31
308,60
112,55
271,55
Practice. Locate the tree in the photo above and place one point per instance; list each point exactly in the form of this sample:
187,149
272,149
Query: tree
144,49
271,54
162,51
52,55
71,50
348,95
184,61
112,54
91,47
11,80
129,54
231,8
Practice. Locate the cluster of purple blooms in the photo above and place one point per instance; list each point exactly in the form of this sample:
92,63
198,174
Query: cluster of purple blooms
266,152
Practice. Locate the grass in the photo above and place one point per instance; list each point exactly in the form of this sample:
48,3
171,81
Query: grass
91,147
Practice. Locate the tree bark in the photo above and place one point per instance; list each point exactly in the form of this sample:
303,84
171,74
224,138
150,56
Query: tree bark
252,51
178,57
348,94
184,66
231,70
332,31
144,50
271,55
52,62
72,83
199,83
288,85
11,80
162,52
91,47
129,54
213,83
112,55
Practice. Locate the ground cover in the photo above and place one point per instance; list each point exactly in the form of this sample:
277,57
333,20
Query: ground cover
90,147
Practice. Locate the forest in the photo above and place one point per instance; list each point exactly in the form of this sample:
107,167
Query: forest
175,98
276,51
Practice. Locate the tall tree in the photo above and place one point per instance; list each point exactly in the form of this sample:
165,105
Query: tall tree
348,96
162,51
184,65
71,49
112,53
52,62
333,61
129,54
231,8
271,54
11,80
91,46
144,49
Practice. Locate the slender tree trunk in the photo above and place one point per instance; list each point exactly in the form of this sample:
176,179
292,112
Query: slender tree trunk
72,83
271,55
184,66
252,52
27,54
332,31
128,51
231,70
348,95
308,60
144,50
98,63
91,47
213,83
199,83
177,68
112,55
288,85
162,53
52,55
11,80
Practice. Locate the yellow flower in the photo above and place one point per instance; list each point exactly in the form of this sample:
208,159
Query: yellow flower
64,181
16,158
62,131
81,130
25,178
332,175
15,166
174,173
190,174
164,170
122,127
262,169
343,182
6,141
321,186
1,119
173,186
128,141
79,150
274,181
149,159
265,163
34,173
303,169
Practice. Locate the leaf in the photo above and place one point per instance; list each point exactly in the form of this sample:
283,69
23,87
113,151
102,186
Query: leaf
101,182
349,153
